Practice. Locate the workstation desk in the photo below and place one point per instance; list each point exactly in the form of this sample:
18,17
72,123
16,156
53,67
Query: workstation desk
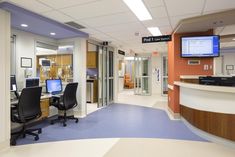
44,104
208,108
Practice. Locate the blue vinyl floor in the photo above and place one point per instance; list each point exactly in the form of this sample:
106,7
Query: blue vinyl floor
117,121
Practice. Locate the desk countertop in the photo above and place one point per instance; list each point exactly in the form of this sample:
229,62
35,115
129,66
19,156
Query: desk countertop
210,88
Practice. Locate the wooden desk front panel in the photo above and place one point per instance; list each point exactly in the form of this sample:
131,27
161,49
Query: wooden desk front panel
44,108
219,124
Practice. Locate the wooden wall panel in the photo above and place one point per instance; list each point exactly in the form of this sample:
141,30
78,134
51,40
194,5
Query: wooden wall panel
219,124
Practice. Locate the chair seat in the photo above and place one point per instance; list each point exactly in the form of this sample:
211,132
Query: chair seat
17,119
59,106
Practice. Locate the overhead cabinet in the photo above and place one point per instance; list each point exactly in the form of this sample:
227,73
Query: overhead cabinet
92,59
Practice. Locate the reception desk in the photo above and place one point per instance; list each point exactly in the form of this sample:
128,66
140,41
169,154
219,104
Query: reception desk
209,108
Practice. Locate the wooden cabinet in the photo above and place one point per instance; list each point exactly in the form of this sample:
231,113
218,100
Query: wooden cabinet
44,108
92,61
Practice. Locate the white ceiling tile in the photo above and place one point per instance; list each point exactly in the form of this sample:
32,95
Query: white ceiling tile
157,22
182,7
109,20
129,35
153,3
55,15
101,37
228,30
166,30
215,5
57,4
176,19
134,26
98,8
32,5
158,12
90,31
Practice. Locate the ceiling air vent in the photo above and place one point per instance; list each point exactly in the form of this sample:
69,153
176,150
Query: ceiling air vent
75,25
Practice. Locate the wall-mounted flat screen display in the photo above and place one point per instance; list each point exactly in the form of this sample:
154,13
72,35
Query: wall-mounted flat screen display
200,46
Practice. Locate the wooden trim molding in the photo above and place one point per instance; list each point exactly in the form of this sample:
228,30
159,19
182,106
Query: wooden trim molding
218,124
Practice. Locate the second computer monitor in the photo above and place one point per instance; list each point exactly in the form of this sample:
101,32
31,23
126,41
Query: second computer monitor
53,86
32,82
13,83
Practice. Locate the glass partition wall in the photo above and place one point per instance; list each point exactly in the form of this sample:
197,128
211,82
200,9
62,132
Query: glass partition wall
142,75
54,62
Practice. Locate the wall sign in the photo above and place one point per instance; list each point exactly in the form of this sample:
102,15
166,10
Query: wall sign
121,52
153,39
26,62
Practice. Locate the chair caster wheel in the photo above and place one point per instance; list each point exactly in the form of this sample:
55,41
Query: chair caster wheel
64,125
40,131
76,121
36,138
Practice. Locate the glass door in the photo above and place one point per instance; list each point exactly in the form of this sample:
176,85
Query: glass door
100,77
110,81
106,81
142,75
164,75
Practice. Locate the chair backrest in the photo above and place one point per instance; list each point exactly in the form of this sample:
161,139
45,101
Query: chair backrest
69,96
29,104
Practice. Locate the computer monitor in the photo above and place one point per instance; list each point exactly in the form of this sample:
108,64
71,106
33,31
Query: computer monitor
54,86
31,82
13,84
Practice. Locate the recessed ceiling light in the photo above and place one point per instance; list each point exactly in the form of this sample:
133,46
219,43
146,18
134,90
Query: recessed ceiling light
154,31
139,9
53,33
24,25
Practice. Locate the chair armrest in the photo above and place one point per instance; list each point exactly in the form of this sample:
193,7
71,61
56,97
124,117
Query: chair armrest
56,99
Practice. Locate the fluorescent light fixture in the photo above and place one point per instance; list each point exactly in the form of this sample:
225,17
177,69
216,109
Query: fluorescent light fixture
139,9
155,31
53,33
24,25
129,58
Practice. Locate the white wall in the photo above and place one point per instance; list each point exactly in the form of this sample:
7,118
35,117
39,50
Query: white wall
222,61
92,47
4,79
25,47
156,85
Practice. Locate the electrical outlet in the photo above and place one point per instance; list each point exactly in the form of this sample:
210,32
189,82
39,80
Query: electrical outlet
206,67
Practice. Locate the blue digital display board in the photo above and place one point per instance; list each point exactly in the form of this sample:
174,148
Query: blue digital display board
200,46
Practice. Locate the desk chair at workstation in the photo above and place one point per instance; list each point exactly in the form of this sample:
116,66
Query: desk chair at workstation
27,109
66,102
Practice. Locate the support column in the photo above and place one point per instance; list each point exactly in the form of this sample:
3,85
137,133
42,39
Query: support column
5,29
79,71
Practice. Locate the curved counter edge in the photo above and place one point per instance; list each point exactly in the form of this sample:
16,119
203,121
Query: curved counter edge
208,108
206,87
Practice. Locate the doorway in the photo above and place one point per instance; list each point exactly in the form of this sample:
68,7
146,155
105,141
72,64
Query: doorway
100,80
142,75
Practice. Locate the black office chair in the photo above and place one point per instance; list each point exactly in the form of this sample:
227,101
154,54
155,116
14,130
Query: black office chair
27,110
66,102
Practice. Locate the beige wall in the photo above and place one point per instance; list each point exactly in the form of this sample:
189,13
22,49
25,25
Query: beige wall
4,79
